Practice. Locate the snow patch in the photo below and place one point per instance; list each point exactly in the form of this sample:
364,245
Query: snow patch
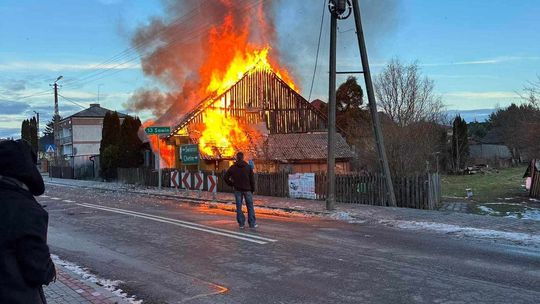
523,238
346,216
85,274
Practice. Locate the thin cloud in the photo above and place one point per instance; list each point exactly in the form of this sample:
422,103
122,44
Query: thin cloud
482,95
55,67
496,60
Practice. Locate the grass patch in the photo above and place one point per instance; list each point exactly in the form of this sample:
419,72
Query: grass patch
486,187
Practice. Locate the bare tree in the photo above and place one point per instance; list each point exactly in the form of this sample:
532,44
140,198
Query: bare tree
405,96
414,113
532,92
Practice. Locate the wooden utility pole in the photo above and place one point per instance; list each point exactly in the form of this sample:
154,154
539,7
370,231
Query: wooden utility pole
56,118
331,186
383,160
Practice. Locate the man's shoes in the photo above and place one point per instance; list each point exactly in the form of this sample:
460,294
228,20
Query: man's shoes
242,227
254,226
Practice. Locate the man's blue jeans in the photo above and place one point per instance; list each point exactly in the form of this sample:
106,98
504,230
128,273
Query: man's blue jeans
239,196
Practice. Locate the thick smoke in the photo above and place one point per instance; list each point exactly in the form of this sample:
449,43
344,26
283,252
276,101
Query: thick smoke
180,50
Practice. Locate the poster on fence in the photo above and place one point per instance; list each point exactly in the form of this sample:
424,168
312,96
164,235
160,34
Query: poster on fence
302,185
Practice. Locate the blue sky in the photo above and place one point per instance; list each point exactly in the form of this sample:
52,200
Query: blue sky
480,53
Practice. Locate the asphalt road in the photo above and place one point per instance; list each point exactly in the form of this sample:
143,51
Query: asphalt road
169,251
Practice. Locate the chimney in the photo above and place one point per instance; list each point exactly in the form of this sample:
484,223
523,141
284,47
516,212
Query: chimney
92,105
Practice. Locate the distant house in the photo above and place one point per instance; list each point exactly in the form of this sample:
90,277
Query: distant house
80,135
490,149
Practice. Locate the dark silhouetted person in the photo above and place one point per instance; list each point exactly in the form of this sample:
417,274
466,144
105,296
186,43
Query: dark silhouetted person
25,262
240,177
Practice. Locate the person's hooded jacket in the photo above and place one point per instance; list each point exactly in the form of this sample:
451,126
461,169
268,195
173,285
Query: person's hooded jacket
25,262
240,177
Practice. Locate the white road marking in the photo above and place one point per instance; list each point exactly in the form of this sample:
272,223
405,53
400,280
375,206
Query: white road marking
43,195
190,225
68,201
55,198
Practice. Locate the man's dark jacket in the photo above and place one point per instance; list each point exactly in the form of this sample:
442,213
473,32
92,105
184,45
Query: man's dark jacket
240,177
25,263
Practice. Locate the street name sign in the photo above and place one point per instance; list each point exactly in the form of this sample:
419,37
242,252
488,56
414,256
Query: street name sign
189,154
157,130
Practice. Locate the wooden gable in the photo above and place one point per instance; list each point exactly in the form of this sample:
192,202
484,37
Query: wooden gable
261,97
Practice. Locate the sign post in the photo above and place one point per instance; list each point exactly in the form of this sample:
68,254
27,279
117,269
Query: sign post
158,131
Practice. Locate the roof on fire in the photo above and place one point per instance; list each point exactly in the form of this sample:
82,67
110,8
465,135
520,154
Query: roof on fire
208,101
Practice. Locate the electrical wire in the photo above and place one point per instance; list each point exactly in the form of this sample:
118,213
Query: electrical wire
318,48
91,77
72,101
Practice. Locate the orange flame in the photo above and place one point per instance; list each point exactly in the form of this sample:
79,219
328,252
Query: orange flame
166,151
239,44
222,135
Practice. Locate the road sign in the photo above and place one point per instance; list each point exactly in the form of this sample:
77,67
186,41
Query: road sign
50,148
175,179
198,180
212,183
189,154
157,130
186,180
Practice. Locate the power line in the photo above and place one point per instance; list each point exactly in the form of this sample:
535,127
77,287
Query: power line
318,48
35,94
126,53
72,101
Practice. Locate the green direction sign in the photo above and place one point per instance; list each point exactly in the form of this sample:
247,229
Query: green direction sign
189,154
157,130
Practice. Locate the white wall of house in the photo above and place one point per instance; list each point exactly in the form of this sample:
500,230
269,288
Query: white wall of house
87,132
86,139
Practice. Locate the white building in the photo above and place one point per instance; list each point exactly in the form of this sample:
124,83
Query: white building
80,135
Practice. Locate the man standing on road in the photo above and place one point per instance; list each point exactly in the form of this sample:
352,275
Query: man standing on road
240,177
25,262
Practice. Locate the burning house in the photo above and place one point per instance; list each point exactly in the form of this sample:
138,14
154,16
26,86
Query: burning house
228,92
264,117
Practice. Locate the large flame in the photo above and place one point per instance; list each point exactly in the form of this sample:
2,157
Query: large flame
242,63
222,135
238,42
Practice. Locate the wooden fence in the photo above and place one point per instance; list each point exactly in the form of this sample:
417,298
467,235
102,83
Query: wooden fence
418,191
61,172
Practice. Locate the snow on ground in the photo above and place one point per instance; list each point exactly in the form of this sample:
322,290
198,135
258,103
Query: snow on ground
85,274
346,216
517,237
512,210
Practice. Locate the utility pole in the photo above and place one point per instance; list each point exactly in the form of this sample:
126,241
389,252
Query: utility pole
56,118
391,197
37,124
37,133
331,187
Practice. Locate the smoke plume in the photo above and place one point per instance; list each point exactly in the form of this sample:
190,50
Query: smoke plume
192,44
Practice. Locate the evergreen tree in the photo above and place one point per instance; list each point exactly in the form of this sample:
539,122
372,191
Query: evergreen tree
460,143
25,130
110,134
109,148
130,143
32,126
